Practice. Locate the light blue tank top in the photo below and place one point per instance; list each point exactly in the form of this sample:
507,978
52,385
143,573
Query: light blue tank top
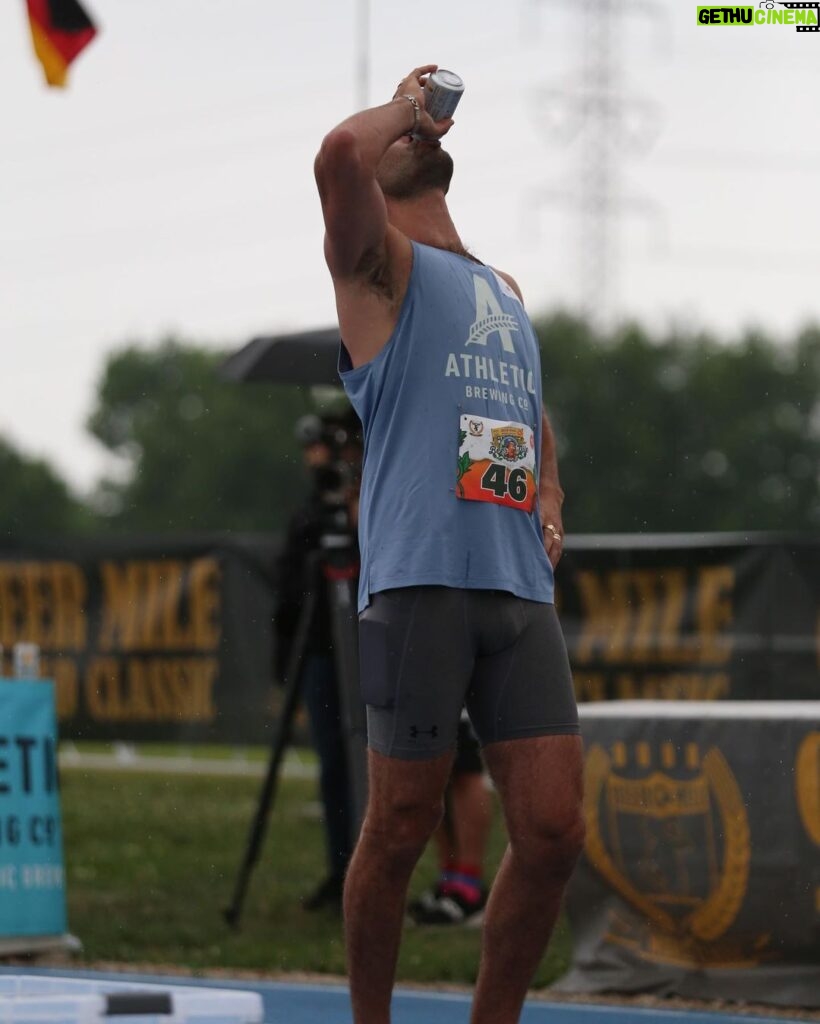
463,345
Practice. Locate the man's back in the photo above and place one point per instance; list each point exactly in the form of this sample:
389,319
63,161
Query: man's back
463,349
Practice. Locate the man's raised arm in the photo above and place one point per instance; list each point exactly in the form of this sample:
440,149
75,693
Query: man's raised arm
345,168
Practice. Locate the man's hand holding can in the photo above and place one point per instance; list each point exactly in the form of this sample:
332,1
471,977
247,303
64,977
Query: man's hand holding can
420,87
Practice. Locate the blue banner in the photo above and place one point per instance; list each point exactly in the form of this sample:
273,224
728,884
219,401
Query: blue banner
32,893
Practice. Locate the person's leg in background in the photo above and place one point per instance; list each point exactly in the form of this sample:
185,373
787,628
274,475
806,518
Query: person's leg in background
321,697
460,892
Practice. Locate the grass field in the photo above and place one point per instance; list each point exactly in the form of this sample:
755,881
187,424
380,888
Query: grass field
151,862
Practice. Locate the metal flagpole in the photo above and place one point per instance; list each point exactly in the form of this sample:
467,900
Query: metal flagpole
362,54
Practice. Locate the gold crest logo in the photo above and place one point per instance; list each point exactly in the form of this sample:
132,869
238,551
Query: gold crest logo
670,834
807,782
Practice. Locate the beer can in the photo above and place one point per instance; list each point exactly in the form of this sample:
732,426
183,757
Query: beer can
26,661
442,91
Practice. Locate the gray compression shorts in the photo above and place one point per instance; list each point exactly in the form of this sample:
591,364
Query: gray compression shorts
426,652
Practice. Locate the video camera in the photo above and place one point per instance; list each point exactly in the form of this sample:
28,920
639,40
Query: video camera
332,452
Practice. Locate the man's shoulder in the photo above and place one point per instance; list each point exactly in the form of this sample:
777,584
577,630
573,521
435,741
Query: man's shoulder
509,280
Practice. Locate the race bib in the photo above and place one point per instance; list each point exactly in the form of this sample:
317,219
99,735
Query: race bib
496,462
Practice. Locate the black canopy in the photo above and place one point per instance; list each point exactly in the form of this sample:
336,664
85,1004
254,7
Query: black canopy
308,357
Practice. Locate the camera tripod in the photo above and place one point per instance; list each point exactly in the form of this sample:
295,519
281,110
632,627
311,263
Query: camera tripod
334,566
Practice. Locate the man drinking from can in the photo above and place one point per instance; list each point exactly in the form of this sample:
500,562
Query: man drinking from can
459,533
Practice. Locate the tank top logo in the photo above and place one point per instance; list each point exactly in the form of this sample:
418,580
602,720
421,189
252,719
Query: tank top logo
490,318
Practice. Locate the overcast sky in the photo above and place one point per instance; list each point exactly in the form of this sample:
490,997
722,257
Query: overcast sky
170,187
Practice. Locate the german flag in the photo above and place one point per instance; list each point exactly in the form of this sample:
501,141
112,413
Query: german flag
60,29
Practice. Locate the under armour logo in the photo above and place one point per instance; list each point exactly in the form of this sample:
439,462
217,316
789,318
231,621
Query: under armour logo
415,732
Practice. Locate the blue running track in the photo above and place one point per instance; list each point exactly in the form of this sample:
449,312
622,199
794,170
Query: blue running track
287,1003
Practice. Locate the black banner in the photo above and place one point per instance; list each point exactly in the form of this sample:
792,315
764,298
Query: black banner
692,617
148,639
701,873
171,637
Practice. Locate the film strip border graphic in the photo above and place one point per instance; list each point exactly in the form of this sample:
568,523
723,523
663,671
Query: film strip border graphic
805,7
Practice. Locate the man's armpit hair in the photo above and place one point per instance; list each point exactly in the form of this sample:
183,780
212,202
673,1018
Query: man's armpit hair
373,268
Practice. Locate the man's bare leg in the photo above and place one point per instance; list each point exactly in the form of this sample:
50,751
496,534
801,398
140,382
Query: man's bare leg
539,781
404,807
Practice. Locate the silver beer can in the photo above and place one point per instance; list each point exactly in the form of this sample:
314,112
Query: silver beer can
442,91
26,661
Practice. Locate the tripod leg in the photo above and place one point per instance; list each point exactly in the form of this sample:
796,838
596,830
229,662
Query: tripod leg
256,834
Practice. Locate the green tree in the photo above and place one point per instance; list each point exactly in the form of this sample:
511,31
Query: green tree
35,501
672,434
683,434
199,453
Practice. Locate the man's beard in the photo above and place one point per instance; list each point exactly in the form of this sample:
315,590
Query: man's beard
428,170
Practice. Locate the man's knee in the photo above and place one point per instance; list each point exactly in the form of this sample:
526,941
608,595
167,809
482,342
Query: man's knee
402,826
548,846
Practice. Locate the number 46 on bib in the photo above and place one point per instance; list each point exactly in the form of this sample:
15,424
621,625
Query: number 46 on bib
496,462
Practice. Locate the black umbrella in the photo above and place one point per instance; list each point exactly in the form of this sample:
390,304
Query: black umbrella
308,357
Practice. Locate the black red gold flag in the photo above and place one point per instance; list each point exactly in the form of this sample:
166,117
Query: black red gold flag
60,29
